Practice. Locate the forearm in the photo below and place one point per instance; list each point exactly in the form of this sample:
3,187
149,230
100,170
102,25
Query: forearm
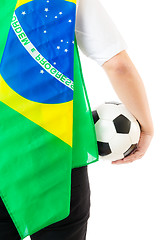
130,89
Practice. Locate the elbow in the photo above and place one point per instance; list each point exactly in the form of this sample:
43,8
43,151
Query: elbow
118,63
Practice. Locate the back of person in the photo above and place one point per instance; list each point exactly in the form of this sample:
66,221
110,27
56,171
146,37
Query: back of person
100,40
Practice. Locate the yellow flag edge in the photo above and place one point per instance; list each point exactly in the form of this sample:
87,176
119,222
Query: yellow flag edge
21,2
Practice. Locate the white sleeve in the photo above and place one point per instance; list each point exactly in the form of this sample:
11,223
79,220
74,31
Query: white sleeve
96,34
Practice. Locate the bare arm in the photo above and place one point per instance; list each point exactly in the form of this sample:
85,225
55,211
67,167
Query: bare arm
130,89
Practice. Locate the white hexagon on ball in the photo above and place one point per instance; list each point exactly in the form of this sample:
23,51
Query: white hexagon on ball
134,132
108,130
120,143
108,111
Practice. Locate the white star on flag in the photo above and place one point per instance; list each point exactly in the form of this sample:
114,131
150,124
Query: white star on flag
46,10
54,63
42,71
55,17
58,47
66,50
60,13
61,40
45,31
23,13
72,41
69,20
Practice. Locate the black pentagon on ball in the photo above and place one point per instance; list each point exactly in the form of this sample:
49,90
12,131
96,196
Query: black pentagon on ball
103,148
95,116
131,149
122,124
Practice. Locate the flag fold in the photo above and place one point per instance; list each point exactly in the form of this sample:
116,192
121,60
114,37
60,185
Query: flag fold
46,123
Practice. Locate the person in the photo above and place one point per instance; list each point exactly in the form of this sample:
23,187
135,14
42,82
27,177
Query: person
100,40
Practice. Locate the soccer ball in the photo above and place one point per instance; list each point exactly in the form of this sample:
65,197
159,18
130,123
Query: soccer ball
117,130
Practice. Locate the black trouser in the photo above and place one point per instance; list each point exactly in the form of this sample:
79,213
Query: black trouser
74,227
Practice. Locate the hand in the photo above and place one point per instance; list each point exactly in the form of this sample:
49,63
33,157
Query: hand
142,146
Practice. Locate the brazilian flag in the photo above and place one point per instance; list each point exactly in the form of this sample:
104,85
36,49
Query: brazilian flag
46,124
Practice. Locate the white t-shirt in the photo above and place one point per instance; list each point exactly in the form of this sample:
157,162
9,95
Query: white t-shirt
96,34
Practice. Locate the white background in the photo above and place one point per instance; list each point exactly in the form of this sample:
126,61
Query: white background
125,199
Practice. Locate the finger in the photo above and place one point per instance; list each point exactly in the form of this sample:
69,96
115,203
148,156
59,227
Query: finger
124,162
138,152
121,162
132,157
129,159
